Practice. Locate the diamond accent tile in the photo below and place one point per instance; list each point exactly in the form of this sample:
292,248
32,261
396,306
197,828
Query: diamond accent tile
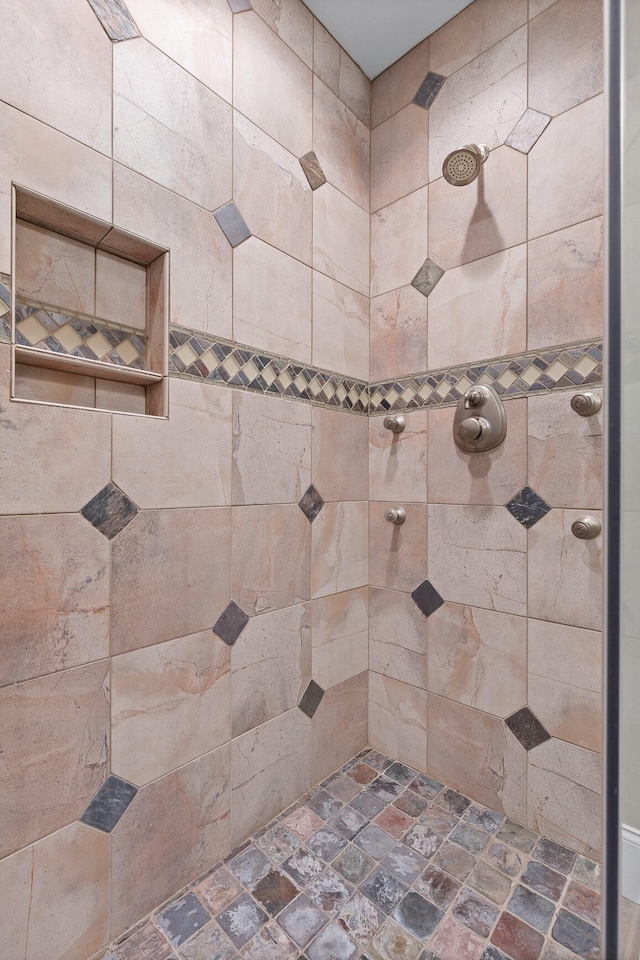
232,223
311,698
427,598
239,6
311,503
427,277
115,18
110,511
5,295
230,623
527,728
109,804
527,130
312,170
528,507
429,90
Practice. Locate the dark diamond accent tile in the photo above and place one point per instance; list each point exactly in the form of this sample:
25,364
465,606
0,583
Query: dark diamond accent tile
429,90
384,890
427,598
239,6
555,855
183,919
5,294
232,223
475,912
312,170
527,728
274,892
242,920
427,277
527,507
110,511
230,623
532,908
527,130
115,18
311,699
109,804
576,935
311,503
302,920
417,915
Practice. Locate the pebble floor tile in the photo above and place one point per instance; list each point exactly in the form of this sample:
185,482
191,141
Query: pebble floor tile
380,862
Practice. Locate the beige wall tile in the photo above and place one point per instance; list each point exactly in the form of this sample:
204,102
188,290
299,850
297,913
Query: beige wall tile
124,397
476,29
564,795
479,310
54,386
15,883
566,285
339,726
567,712
398,336
170,703
271,560
326,57
477,556
55,609
293,23
270,666
341,239
269,770
478,657
483,478
490,215
272,87
398,242
272,300
398,461
170,576
398,85
271,190
121,290
476,754
340,327
398,720
397,637
56,733
565,55
169,126
339,634
565,574
397,554
174,830
537,6
340,468
399,155
339,548
565,453
339,72
566,170
54,269
341,142
271,449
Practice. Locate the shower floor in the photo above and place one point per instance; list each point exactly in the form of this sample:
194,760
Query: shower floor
380,862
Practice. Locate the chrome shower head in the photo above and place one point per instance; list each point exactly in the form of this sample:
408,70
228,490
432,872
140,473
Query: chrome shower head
463,166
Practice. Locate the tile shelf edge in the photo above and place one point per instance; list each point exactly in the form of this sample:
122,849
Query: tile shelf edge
93,368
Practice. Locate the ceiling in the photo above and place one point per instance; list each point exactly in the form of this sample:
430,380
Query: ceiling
376,33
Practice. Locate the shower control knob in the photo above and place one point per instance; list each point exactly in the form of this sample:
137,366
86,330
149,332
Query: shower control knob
472,428
395,424
396,515
475,397
586,528
586,404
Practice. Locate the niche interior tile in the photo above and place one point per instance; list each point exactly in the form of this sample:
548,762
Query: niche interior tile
427,277
427,598
527,728
109,803
116,19
528,507
527,130
311,503
428,90
110,511
232,223
230,623
53,269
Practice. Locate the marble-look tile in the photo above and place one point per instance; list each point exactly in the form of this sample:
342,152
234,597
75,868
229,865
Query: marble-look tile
478,657
527,130
473,31
485,217
121,290
15,881
341,239
481,102
54,269
455,942
398,333
339,539
398,719
342,143
399,156
271,189
339,726
270,666
272,87
397,637
497,774
341,74
339,455
269,770
397,554
565,574
398,461
170,704
399,242
564,795
566,285
397,85
565,55
479,310
161,552
271,560
340,327
170,127
271,449
55,733
566,179
339,632
293,23
272,300
54,386
477,556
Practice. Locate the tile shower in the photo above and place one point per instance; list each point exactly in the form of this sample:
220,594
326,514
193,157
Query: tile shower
204,617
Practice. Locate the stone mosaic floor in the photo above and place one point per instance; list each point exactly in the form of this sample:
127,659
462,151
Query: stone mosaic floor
382,863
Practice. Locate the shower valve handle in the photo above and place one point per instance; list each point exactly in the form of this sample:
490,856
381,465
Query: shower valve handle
472,428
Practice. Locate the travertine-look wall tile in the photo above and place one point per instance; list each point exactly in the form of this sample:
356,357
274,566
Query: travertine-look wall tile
339,72
269,770
398,720
398,334
270,666
271,449
293,23
170,703
397,554
478,657
271,560
170,576
398,85
341,239
121,290
339,726
55,586
340,327
54,269
169,126
398,461
397,637
398,242
174,830
339,539
399,155
474,30
475,753
271,300
16,874
339,634
341,141
55,733
340,467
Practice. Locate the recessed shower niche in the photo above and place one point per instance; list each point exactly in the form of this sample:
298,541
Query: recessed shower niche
90,311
